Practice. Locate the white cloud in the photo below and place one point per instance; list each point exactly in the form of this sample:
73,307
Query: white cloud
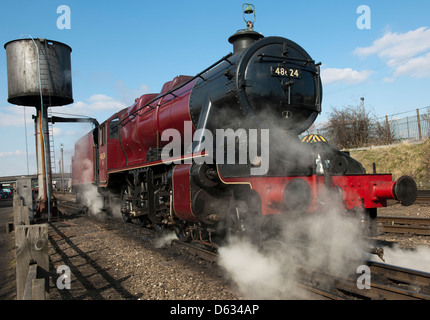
12,153
15,163
57,131
14,116
96,103
347,75
406,53
417,67
128,95
144,88
104,102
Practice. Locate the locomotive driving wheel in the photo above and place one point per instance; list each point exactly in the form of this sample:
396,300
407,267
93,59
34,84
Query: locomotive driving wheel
125,204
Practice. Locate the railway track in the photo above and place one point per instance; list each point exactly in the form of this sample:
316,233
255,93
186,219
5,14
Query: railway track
408,225
413,279
390,282
387,281
404,225
423,197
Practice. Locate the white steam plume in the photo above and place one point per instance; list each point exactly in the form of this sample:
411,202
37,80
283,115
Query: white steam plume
418,258
333,243
165,238
92,199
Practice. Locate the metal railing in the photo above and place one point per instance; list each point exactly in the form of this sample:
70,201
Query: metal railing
412,127
389,129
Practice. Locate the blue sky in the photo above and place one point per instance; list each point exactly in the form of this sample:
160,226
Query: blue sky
123,49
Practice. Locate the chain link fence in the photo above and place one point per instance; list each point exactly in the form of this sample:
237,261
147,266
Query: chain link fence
415,127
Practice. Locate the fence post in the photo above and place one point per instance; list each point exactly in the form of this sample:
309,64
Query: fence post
388,130
17,201
38,289
21,216
419,124
31,242
25,193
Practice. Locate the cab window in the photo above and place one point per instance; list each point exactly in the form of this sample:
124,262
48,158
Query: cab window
102,138
113,129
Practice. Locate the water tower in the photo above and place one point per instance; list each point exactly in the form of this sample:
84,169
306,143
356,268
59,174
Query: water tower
39,76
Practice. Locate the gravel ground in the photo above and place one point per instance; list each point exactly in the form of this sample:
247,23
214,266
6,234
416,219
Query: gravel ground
113,260
417,211
396,209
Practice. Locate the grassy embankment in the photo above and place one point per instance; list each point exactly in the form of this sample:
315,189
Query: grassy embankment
402,159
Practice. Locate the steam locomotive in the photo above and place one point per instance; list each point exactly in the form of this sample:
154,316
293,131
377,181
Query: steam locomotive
220,153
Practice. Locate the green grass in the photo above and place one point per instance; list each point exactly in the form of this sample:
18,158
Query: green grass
403,159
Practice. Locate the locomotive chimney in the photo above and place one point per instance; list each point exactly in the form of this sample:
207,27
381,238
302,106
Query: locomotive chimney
242,39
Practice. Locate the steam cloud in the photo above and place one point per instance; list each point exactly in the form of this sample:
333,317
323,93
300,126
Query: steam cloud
333,244
93,200
164,239
329,240
418,258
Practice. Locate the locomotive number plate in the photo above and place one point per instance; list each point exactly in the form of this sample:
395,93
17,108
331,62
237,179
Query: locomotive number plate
285,72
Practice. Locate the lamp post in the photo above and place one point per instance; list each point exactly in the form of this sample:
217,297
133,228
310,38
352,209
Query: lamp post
62,169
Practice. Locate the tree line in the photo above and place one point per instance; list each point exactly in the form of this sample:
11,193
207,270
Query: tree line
355,127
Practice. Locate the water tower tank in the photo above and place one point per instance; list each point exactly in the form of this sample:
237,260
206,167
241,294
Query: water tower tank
23,59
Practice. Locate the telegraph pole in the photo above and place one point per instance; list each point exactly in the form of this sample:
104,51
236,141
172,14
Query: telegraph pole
62,168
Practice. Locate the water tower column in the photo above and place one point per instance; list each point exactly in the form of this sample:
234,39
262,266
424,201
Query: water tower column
44,172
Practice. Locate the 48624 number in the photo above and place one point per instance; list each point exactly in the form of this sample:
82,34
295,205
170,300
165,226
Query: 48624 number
285,72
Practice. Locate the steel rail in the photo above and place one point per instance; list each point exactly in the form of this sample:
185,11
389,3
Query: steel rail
403,225
401,275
